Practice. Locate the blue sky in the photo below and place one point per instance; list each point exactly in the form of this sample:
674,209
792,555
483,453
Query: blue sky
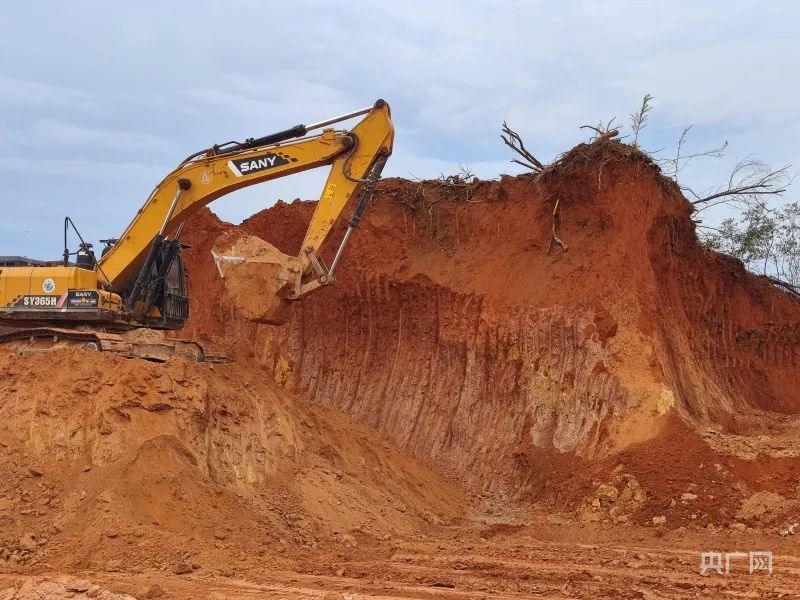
100,100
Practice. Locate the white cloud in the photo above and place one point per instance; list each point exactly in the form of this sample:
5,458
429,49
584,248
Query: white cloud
286,100
26,93
56,133
189,75
75,168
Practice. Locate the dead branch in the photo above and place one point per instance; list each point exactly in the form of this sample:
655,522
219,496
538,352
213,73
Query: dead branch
462,182
514,141
681,141
792,289
749,180
603,131
464,178
553,235
412,197
673,166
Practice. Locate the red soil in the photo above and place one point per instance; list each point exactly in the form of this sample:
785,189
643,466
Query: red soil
103,458
461,332
524,413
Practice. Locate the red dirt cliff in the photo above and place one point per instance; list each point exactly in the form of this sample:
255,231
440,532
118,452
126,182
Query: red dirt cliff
457,328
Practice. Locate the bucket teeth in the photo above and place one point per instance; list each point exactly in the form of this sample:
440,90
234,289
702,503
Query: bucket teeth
220,260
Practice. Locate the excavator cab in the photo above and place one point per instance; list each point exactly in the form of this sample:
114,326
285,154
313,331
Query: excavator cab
85,258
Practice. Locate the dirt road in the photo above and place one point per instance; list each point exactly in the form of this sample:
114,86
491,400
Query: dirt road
487,561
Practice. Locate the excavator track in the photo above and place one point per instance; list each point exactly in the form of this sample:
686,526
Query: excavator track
132,344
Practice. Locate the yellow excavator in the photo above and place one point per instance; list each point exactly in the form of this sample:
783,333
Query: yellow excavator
139,285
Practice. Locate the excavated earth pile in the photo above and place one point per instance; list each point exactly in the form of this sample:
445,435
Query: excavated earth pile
124,465
534,336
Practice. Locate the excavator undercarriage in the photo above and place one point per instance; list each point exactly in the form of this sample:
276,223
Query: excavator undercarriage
147,344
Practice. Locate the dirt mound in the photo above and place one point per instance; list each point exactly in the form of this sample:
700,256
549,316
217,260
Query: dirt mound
108,463
462,331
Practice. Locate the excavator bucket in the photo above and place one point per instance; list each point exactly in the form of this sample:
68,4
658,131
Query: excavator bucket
256,275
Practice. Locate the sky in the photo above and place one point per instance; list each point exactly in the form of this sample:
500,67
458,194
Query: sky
100,100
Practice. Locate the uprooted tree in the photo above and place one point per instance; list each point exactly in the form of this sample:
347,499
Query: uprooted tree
749,184
514,141
765,238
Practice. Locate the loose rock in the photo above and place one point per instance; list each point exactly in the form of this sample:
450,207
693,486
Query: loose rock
154,591
27,543
79,585
183,569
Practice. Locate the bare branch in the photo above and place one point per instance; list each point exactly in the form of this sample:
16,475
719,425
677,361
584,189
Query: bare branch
792,289
681,141
604,131
673,166
524,164
749,180
514,141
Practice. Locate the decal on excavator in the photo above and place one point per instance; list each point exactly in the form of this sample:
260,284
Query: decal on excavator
72,299
254,164
37,302
83,299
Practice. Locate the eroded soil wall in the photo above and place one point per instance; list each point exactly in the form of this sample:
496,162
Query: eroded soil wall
462,329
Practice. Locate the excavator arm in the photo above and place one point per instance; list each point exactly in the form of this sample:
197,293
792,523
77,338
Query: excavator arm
356,157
